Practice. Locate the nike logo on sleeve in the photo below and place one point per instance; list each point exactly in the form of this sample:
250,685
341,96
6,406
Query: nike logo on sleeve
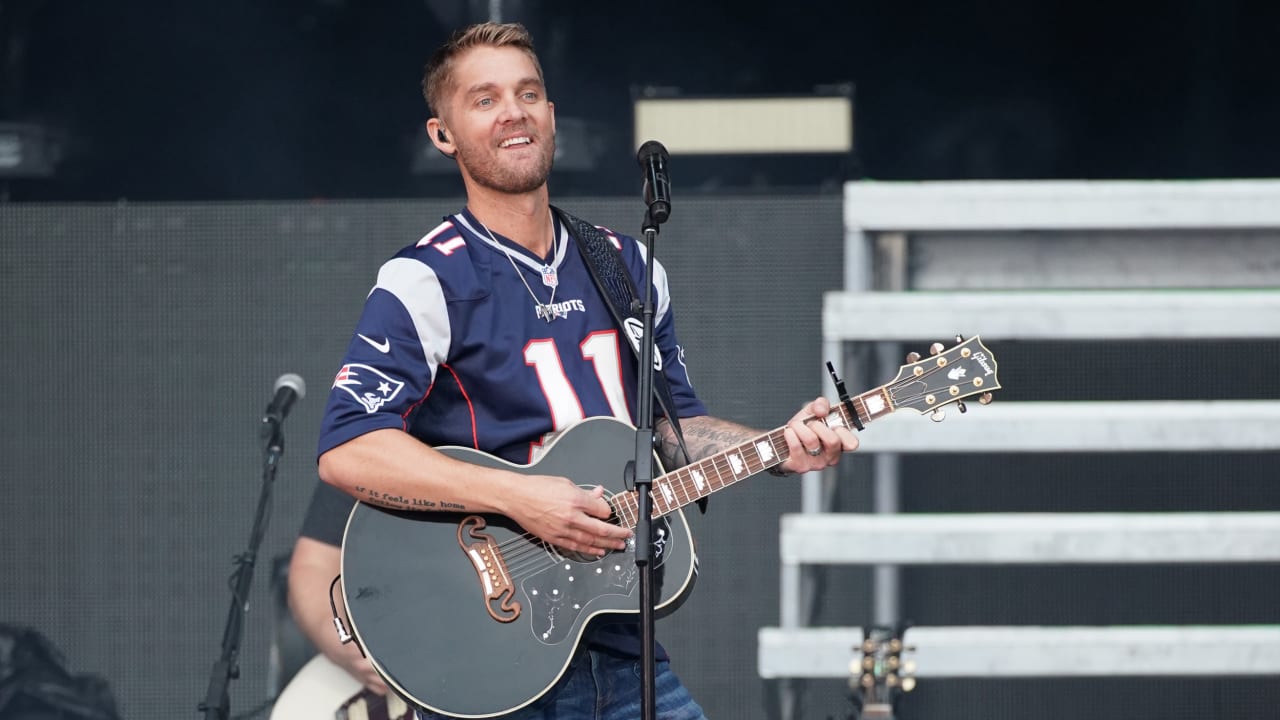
383,347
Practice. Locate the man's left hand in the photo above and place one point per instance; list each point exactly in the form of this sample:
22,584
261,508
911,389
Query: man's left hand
813,444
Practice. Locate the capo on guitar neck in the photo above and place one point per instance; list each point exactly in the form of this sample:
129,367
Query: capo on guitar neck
844,395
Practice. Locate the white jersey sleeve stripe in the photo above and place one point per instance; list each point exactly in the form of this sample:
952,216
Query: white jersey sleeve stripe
418,289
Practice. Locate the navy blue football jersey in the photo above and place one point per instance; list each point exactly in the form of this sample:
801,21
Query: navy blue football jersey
469,340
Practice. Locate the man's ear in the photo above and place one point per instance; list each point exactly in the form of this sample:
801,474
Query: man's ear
439,137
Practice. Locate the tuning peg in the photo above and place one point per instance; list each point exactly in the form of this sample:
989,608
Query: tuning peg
938,415
913,357
908,684
961,407
936,348
891,680
985,399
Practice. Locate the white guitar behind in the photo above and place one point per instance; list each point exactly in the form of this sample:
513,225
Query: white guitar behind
322,690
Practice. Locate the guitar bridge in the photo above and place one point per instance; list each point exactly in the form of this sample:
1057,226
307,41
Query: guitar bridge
495,581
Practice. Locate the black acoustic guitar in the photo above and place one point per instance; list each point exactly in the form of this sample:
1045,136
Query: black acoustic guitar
470,616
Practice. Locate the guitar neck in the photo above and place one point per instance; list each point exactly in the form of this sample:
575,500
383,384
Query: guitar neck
700,479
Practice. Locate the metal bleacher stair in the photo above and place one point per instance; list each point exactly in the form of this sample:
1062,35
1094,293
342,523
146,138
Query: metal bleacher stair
1185,261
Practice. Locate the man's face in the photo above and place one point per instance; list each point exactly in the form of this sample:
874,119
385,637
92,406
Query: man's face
499,120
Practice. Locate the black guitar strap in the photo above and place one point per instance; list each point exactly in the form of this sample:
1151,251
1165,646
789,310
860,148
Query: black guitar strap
603,261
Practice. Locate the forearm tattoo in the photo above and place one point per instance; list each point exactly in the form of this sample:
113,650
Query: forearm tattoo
704,436
400,502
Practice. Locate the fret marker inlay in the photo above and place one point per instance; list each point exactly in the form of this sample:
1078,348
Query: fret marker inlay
666,492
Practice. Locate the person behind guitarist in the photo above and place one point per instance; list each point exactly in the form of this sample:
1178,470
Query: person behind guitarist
489,333
315,561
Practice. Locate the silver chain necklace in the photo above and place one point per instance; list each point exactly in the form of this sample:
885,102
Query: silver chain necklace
550,278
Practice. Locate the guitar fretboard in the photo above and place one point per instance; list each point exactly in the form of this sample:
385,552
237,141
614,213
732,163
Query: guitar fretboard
699,479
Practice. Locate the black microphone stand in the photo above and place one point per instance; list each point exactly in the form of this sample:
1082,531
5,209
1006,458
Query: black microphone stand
643,477
217,701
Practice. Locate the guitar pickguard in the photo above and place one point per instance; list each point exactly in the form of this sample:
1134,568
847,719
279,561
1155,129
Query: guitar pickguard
558,595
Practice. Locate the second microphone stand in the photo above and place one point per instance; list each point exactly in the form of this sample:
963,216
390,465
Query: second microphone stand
217,700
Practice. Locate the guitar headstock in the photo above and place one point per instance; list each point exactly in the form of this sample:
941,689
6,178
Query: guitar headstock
882,673
947,376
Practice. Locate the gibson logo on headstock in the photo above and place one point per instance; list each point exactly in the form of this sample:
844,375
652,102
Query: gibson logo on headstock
981,357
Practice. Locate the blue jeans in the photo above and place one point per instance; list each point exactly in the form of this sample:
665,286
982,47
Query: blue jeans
599,686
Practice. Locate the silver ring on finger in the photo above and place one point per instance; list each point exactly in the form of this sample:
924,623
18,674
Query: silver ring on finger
815,452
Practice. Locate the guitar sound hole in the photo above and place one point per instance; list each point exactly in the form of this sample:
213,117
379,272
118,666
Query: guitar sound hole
582,557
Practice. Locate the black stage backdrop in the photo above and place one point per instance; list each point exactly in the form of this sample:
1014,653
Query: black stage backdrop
142,342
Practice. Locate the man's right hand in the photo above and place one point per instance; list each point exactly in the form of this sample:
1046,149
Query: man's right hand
565,515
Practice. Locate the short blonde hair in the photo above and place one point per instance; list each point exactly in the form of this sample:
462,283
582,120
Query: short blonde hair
437,79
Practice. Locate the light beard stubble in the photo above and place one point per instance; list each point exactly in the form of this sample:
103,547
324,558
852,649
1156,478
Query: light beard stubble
489,173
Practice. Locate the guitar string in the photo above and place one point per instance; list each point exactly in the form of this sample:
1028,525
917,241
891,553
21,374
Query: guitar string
535,558
522,550
539,561
524,547
528,553
902,399
524,553
536,555
519,551
625,506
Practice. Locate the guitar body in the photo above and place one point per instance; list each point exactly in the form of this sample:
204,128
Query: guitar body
467,615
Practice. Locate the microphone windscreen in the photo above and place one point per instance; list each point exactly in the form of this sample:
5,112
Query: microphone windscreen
291,380
649,149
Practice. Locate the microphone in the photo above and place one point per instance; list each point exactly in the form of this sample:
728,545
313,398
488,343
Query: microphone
653,159
289,389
